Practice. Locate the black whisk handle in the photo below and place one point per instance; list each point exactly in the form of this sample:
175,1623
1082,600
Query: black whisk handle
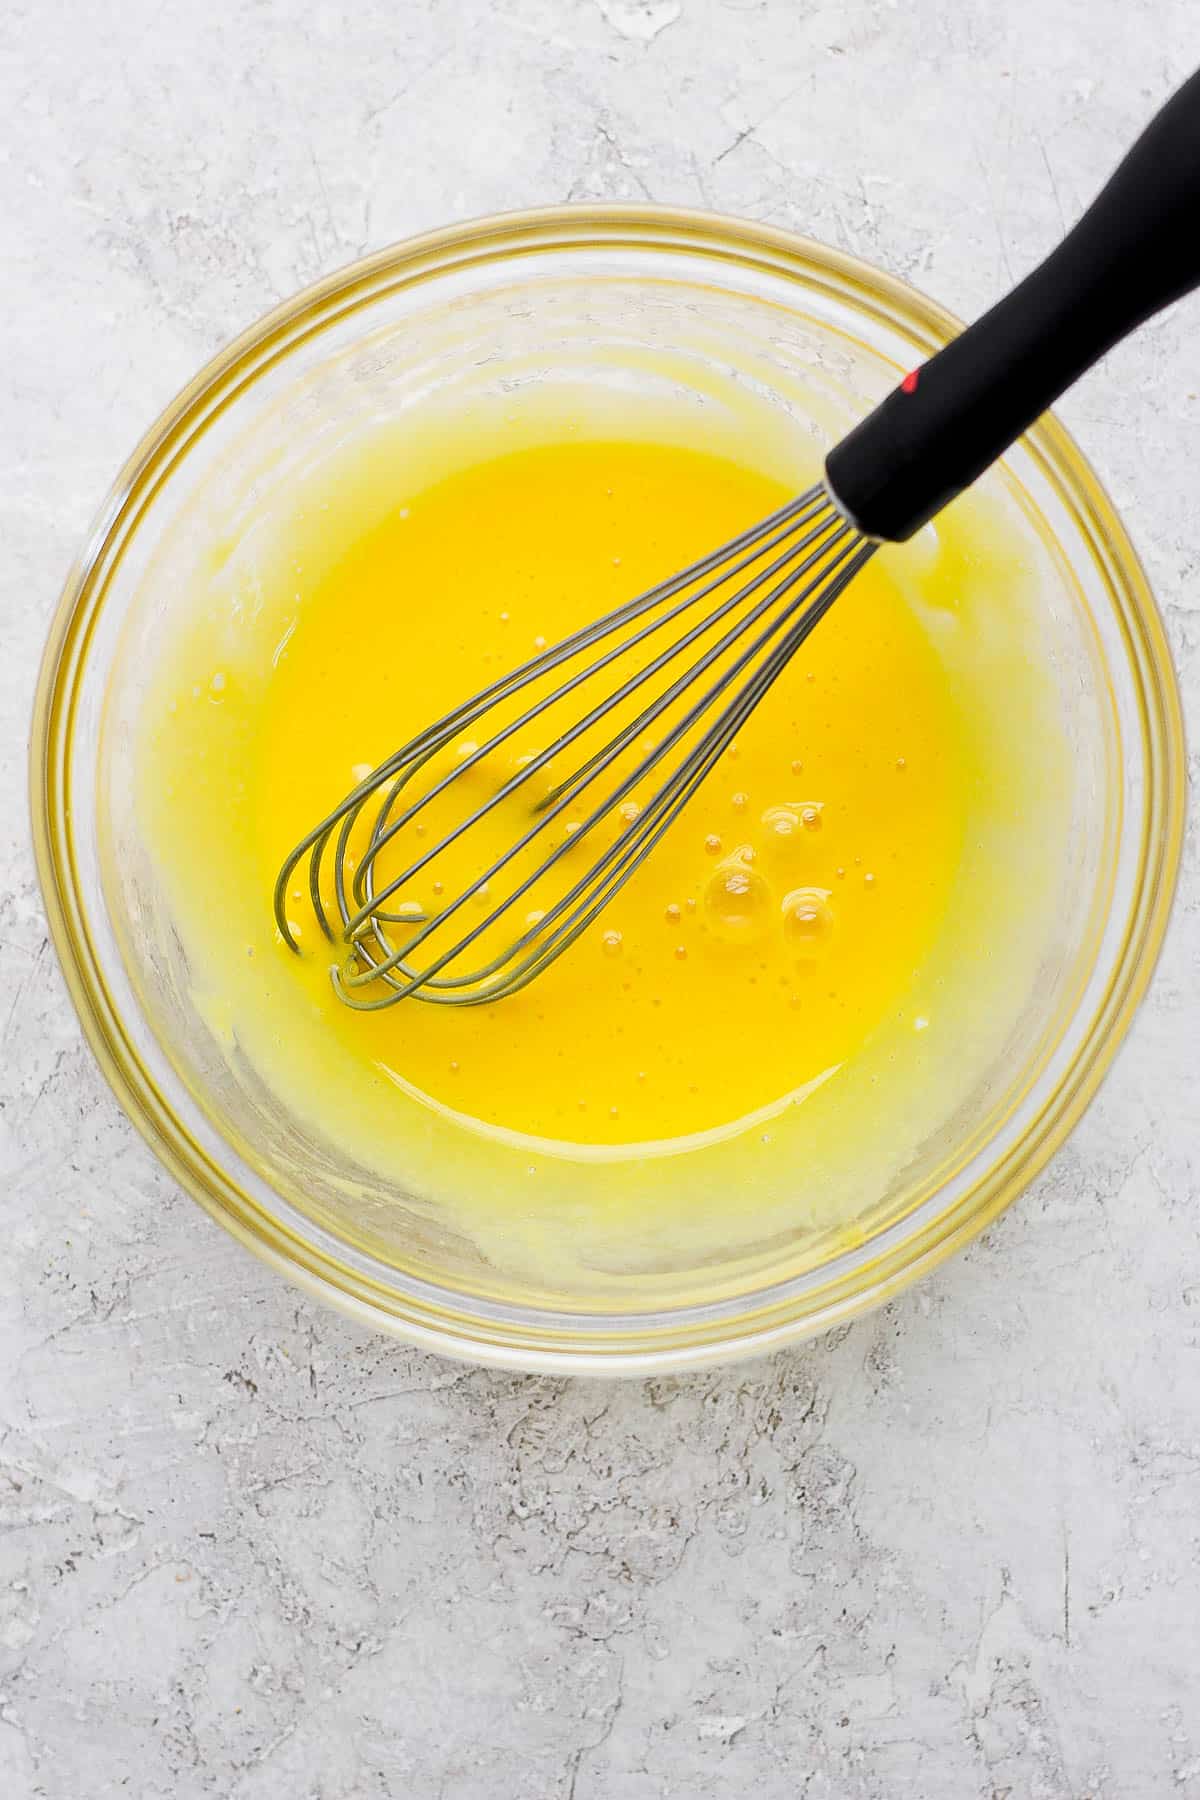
1135,250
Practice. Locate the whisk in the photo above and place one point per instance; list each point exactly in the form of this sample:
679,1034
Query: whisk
652,694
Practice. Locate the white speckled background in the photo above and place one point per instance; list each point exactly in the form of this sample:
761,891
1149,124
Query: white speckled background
248,1551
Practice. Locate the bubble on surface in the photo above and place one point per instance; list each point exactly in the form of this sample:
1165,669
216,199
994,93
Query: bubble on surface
808,920
737,902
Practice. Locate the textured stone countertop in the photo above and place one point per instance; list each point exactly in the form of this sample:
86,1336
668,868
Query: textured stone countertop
248,1550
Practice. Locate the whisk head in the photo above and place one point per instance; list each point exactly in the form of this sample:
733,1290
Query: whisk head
628,714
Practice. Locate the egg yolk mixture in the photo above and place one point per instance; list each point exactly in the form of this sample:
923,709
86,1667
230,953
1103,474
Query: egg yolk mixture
779,922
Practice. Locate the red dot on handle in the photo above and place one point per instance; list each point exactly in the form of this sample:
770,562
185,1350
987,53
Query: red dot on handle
909,384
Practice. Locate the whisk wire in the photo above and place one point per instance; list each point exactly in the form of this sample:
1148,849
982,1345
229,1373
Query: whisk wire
411,756
636,842
427,978
381,836
554,804
803,555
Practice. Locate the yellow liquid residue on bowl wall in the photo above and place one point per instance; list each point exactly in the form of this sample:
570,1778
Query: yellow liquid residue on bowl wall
787,930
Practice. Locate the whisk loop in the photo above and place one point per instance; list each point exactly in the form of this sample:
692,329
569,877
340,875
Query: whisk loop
767,589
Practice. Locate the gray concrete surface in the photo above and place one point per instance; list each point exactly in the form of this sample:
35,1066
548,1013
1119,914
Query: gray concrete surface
247,1550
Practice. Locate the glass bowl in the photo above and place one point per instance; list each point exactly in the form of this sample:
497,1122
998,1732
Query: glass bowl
495,303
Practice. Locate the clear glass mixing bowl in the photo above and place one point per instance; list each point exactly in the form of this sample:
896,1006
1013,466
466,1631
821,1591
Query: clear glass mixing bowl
497,303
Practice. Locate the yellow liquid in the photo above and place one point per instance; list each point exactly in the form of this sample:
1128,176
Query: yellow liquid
774,927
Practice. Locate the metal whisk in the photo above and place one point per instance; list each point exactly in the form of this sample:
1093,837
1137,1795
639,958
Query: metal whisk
689,660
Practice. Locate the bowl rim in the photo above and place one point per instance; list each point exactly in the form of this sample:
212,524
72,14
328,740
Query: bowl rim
772,1316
